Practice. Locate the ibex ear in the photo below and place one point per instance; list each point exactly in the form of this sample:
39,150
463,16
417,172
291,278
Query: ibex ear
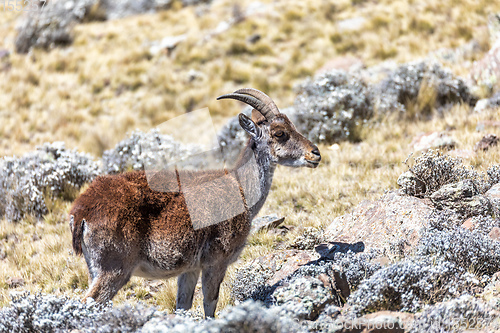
249,126
258,117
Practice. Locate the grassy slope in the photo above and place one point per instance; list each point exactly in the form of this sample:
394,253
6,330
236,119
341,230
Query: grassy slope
106,84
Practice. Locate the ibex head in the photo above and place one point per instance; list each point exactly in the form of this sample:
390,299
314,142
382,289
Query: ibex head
273,132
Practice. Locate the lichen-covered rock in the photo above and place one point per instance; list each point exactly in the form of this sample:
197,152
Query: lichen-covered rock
485,71
425,82
433,140
308,239
393,221
259,278
142,149
332,107
462,197
263,278
51,171
493,194
486,142
303,297
463,313
410,284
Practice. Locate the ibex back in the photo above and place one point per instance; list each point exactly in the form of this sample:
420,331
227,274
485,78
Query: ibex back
123,227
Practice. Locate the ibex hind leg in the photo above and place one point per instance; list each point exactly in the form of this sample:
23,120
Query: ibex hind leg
109,271
106,284
186,284
211,279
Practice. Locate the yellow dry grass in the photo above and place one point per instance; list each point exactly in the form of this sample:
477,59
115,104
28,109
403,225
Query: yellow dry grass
107,83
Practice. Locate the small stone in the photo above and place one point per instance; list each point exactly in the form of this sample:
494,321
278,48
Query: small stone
4,53
494,233
486,142
168,44
266,222
433,140
14,282
335,146
345,63
486,124
325,279
494,192
469,224
254,38
462,153
351,24
481,105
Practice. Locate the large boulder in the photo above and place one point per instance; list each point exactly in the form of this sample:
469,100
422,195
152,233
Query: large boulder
392,222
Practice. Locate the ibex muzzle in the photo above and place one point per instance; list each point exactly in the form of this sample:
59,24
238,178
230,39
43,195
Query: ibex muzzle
124,228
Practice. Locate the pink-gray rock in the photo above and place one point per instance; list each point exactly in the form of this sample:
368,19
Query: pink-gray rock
433,140
14,282
462,198
284,263
266,222
485,72
393,219
486,142
494,233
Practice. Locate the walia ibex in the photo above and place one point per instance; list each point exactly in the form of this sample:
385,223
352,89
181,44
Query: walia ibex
123,227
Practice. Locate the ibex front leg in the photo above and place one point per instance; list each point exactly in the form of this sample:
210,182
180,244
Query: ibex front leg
186,283
211,279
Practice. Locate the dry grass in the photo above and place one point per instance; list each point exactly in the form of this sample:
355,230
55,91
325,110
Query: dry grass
107,83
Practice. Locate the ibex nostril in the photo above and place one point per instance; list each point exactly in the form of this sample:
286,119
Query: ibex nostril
316,152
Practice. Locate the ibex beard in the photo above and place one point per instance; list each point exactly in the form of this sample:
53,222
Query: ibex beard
123,227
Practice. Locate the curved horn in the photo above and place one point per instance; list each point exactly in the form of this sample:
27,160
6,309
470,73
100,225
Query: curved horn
256,103
261,96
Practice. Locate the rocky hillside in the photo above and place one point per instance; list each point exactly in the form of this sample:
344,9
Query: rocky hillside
398,227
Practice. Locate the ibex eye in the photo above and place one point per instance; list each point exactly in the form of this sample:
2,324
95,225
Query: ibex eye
279,133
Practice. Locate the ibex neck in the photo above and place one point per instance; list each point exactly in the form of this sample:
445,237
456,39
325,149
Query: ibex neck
255,172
